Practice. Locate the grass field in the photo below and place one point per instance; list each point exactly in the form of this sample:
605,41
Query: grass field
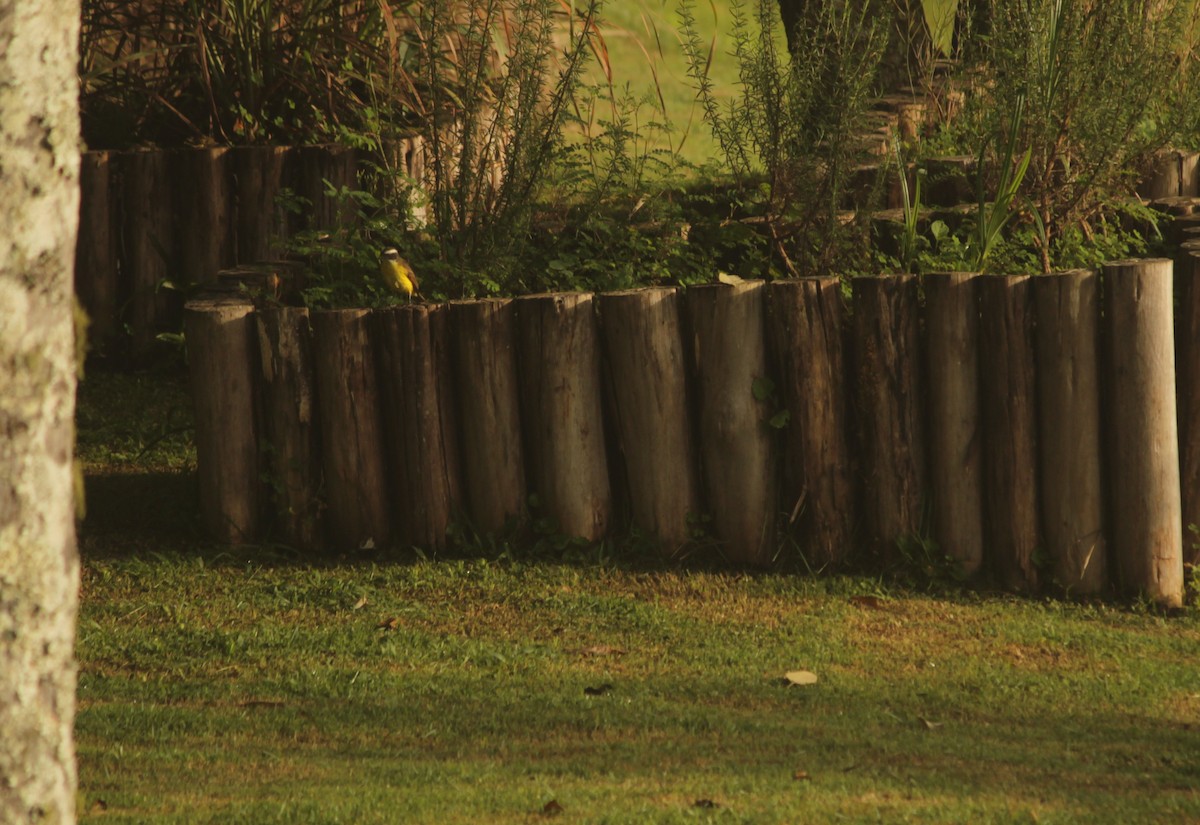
244,685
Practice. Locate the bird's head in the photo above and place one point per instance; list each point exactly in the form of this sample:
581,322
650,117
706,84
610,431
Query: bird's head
391,254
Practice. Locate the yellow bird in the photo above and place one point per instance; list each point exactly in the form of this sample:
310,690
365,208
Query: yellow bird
398,274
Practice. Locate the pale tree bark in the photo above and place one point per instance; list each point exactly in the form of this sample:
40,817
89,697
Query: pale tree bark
39,567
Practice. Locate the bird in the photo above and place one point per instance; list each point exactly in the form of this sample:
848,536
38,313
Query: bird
398,274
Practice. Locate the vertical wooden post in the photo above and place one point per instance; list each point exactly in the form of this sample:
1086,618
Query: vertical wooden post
352,440
889,382
1187,359
258,172
148,242
955,432
96,247
422,491
807,327
203,214
224,363
488,412
643,342
1010,489
1146,514
1068,381
441,344
290,423
312,168
727,325
563,423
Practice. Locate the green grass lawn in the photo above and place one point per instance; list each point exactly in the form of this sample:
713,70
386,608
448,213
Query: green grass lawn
243,685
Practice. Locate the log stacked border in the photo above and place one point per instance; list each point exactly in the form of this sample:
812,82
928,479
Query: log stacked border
998,422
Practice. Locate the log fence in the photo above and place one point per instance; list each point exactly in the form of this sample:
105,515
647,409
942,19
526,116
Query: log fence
1026,425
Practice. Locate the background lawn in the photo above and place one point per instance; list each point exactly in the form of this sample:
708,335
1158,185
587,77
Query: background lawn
246,685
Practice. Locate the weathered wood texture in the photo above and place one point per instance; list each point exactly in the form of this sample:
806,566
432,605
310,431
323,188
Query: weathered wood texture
1147,539
1069,422
423,490
890,423
807,328
317,174
737,459
147,227
224,359
955,428
291,430
1187,361
562,423
485,376
258,173
352,437
643,344
1010,491
203,221
96,249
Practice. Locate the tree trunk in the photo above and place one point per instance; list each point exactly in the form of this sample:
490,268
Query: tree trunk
224,361
1144,446
204,223
488,410
563,423
643,342
352,440
737,461
1010,489
96,252
423,495
291,428
1187,359
955,433
1068,380
39,565
807,327
891,426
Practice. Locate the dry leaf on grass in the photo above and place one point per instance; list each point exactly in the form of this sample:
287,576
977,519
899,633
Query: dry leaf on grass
801,775
601,650
705,803
360,604
869,602
800,677
552,808
597,691
929,724
389,624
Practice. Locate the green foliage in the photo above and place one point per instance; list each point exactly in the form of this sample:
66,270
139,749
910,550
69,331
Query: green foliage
242,71
789,134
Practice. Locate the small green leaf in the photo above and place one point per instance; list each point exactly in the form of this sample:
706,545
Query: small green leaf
763,388
780,419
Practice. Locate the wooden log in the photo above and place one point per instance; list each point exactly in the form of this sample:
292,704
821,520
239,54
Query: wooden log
1146,513
890,421
1189,174
1069,427
1162,176
352,438
949,180
643,344
261,221
738,464
96,249
146,264
204,220
422,492
223,359
441,343
291,431
955,430
485,378
317,174
807,327
1187,359
558,367
1008,387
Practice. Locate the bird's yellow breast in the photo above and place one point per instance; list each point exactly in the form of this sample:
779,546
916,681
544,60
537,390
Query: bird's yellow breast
399,276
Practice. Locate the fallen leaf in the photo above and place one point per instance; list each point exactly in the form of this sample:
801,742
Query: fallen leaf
389,624
99,806
552,808
361,603
369,544
800,775
726,278
705,803
800,677
597,691
870,602
929,725
601,650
